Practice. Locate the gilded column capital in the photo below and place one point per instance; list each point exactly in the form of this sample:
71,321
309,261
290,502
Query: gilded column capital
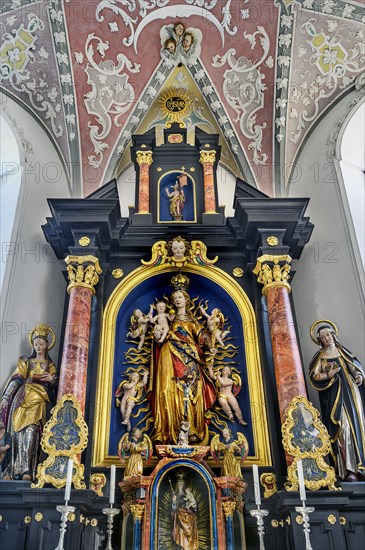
273,271
83,271
207,156
144,157
229,507
137,511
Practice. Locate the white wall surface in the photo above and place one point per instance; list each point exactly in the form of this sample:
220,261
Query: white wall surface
327,281
33,287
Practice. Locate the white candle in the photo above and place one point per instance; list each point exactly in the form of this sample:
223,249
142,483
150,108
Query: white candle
112,484
69,479
301,480
256,484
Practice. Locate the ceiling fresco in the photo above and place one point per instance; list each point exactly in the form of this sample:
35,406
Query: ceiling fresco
262,73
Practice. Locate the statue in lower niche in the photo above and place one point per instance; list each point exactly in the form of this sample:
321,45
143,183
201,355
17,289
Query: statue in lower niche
339,377
28,393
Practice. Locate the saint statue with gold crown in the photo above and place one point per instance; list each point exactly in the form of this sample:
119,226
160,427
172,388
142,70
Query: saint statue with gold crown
24,403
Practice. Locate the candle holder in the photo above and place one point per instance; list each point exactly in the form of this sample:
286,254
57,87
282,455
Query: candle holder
305,511
259,515
64,510
110,512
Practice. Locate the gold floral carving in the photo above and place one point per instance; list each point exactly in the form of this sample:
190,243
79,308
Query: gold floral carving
331,519
272,241
94,522
229,507
268,481
299,520
53,470
137,511
83,271
275,523
195,253
144,157
238,272
97,482
71,516
316,433
207,156
38,516
84,241
273,271
117,273
27,520
1,517
343,520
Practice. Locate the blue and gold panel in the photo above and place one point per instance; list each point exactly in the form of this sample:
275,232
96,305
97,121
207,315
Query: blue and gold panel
128,368
176,197
183,513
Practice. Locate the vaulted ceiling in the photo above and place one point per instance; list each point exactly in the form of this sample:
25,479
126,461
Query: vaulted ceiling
260,73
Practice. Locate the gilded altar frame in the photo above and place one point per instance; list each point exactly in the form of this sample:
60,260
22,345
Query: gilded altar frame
104,389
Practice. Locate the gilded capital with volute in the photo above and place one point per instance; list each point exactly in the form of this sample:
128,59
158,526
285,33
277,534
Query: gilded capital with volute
207,156
137,511
273,271
229,507
144,157
83,271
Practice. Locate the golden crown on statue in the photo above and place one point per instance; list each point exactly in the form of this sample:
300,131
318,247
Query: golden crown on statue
180,282
42,330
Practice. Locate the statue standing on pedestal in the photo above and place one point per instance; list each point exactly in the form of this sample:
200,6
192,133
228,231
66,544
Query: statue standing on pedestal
24,402
338,376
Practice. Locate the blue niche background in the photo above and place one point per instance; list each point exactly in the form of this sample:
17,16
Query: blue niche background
167,181
141,297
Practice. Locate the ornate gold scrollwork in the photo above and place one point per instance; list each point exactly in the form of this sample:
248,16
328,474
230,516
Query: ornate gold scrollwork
137,511
84,241
207,156
195,253
64,436
144,157
117,273
237,272
306,438
83,271
273,271
268,481
229,507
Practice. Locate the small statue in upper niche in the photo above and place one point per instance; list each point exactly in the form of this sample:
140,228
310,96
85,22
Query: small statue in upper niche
177,200
227,397
231,463
162,319
138,328
215,323
131,392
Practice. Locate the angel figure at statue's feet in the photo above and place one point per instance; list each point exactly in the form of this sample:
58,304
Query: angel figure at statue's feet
226,397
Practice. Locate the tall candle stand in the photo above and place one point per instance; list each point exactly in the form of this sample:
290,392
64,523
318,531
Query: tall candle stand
64,510
259,514
305,511
110,512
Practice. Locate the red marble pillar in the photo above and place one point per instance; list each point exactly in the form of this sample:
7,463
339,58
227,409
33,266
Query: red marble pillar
144,159
207,158
83,275
288,366
273,273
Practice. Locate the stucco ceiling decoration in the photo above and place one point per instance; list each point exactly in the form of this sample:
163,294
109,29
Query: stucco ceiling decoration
320,53
35,69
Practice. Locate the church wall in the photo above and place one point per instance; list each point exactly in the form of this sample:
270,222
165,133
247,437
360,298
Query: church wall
34,287
327,284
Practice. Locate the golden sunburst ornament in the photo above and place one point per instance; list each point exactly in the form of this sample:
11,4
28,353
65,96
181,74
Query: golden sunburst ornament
176,105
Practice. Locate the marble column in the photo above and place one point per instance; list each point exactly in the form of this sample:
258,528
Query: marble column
207,159
229,507
144,159
137,512
273,273
83,274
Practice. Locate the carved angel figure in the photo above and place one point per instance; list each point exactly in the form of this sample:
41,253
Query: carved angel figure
215,323
231,463
131,392
136,446
162,319
229,386
138,328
